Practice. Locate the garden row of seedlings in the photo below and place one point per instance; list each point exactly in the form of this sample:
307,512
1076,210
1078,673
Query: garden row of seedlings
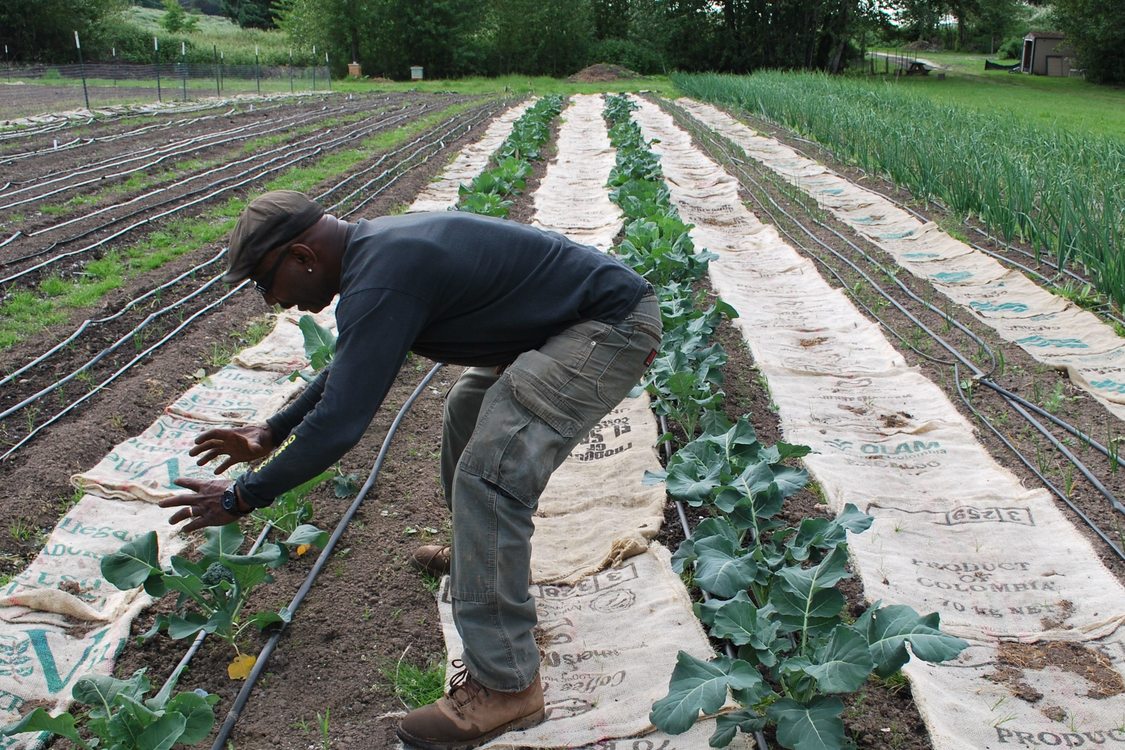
953,530
772,588
212,591
977,366
128,333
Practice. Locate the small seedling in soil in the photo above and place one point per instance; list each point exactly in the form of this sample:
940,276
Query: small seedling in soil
213,590
119,715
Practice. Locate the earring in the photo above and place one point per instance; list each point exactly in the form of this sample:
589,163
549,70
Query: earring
310,270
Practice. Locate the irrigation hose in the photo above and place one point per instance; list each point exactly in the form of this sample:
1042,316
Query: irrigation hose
243,696
1038,474
468,122
121,371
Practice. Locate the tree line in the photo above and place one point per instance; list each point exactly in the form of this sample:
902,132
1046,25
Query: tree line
453,38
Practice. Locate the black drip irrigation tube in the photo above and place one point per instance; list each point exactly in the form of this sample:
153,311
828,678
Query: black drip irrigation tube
468,123
155,156
244,178
259,161
243,696
980,376
151,318
121,371
158,154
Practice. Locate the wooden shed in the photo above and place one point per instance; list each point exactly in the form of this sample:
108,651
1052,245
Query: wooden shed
1046,53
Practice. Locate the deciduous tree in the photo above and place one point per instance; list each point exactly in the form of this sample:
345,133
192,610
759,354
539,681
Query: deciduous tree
1096,29
44,29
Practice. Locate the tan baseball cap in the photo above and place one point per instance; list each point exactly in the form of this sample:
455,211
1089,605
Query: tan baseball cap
271,220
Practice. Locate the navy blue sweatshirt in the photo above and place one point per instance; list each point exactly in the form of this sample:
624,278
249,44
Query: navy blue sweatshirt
451,286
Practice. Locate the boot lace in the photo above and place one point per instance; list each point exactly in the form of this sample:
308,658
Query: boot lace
463,689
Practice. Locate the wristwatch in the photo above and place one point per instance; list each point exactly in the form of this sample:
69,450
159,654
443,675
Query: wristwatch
230,503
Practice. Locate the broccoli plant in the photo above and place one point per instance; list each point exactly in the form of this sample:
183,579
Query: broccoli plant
119,716
774,597
489,191
212,591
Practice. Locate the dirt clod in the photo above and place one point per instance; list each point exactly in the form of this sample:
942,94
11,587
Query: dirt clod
1014,660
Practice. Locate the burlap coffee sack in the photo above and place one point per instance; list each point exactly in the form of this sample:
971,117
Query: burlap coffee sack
1012,695
856,349
66,576
595,510
572,197
40,662
608,647
283,350
810,316
145,467
441,194
902,399
1051,330
943,457
989,564
235,395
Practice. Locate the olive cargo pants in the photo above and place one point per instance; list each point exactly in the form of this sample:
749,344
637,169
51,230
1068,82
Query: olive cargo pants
503,436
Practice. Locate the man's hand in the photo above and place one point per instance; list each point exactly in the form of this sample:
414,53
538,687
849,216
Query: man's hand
238,444
203,506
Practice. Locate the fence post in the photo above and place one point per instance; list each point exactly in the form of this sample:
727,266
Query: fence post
328,71
156,62
82,68
215,51
290,71
7,63
314,68
183,67
113,66
257,70
222,61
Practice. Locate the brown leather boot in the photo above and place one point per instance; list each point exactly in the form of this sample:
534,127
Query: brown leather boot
470,715
434,559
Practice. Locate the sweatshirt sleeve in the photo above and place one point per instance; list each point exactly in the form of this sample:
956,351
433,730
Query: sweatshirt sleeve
282,423
376,330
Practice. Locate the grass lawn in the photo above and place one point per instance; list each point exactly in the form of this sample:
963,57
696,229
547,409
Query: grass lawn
514,84
1069,104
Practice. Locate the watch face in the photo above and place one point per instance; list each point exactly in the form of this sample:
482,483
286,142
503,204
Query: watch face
230,500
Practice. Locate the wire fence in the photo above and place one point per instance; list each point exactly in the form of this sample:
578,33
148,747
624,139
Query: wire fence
41,88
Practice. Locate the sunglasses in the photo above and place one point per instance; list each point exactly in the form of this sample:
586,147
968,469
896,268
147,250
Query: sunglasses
263,284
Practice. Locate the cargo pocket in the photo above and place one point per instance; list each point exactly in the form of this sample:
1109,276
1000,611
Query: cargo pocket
513,447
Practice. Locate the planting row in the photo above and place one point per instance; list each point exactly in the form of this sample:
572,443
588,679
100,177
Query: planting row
773,587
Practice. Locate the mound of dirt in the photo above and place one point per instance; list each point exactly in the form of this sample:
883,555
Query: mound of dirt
923,45
600,72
